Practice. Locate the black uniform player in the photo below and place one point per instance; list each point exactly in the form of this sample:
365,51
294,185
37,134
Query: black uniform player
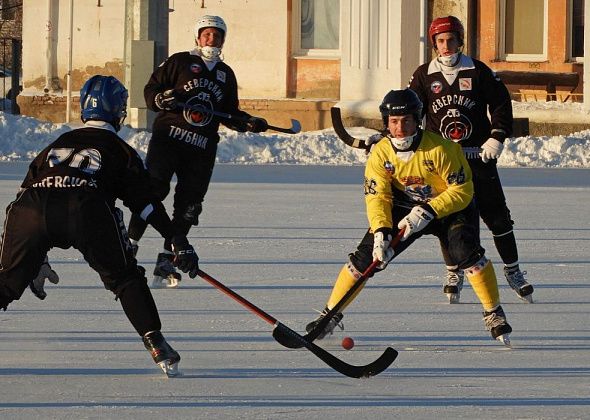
184,141
68,200
457,92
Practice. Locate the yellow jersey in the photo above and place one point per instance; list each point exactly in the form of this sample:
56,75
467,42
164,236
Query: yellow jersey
435,174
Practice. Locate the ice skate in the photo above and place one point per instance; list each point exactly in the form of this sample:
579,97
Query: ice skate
164,355
497,325
336,321
518,283
165,275
453,285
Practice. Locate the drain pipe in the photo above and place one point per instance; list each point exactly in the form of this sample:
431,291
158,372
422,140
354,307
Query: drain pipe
51,81
69,75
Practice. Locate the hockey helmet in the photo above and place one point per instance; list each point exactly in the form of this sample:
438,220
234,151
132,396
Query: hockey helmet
104,98
210,21
446,24
401,102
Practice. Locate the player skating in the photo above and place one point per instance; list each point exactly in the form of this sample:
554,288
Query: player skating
419,182
67,199
457,92
184,141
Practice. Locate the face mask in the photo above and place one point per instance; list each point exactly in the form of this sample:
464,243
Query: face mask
402,143
449,60
211,53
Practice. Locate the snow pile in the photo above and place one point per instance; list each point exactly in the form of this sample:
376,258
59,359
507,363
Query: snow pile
23,137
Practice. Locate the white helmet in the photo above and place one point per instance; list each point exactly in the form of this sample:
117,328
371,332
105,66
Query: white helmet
209,21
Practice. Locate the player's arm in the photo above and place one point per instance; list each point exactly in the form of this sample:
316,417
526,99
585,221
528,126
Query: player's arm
455,171
378,193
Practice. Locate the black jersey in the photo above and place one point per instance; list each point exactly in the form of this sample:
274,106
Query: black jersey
97,161
459,110
194,85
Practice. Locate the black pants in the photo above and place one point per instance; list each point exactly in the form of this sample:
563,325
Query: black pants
491,204
193,169
458,231
40,219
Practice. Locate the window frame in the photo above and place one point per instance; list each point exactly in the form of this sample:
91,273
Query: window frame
570,35
502,36
299,52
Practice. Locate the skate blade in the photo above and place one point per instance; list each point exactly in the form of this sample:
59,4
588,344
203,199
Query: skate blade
504,339
527,298
453,297
170,369
169,282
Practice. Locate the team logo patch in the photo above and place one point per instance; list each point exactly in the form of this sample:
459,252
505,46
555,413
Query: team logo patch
389,167
429,165
465,83
436,86
221,76
370,185
196,68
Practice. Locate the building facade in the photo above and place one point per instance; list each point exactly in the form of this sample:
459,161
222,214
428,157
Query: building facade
292,58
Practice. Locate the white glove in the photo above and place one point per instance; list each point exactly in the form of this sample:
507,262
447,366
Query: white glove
38,283
381,249
491,149
415,221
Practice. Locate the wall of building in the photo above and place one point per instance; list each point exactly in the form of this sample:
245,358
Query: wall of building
97,42
557,38
257,43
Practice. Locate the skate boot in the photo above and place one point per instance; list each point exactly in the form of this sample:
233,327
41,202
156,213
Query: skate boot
516,280
453,285
162,353
497,325
336,321
165,274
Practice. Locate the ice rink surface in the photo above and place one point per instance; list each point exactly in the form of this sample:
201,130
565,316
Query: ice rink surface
278,236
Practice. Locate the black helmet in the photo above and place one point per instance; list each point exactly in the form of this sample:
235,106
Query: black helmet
401,102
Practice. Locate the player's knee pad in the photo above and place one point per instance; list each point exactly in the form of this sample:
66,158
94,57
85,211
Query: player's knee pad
191,213
160,188
499,222
464,247
118,283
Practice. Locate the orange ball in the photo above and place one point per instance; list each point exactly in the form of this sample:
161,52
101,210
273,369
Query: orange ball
347,343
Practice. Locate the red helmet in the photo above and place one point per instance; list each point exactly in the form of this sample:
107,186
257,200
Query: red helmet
446,24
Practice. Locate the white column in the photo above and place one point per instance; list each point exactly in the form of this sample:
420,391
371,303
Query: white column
586,81
381,47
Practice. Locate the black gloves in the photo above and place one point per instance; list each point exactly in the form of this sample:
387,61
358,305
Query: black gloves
256,124
166,100
37,285
185,256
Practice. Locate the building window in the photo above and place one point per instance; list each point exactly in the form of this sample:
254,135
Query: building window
523,42
317,27
8,9
577,29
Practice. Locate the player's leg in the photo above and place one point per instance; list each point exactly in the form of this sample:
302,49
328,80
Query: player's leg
24,245
465,248
491,203
102,238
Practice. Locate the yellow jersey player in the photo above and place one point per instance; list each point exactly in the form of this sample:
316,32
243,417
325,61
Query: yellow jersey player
419,183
